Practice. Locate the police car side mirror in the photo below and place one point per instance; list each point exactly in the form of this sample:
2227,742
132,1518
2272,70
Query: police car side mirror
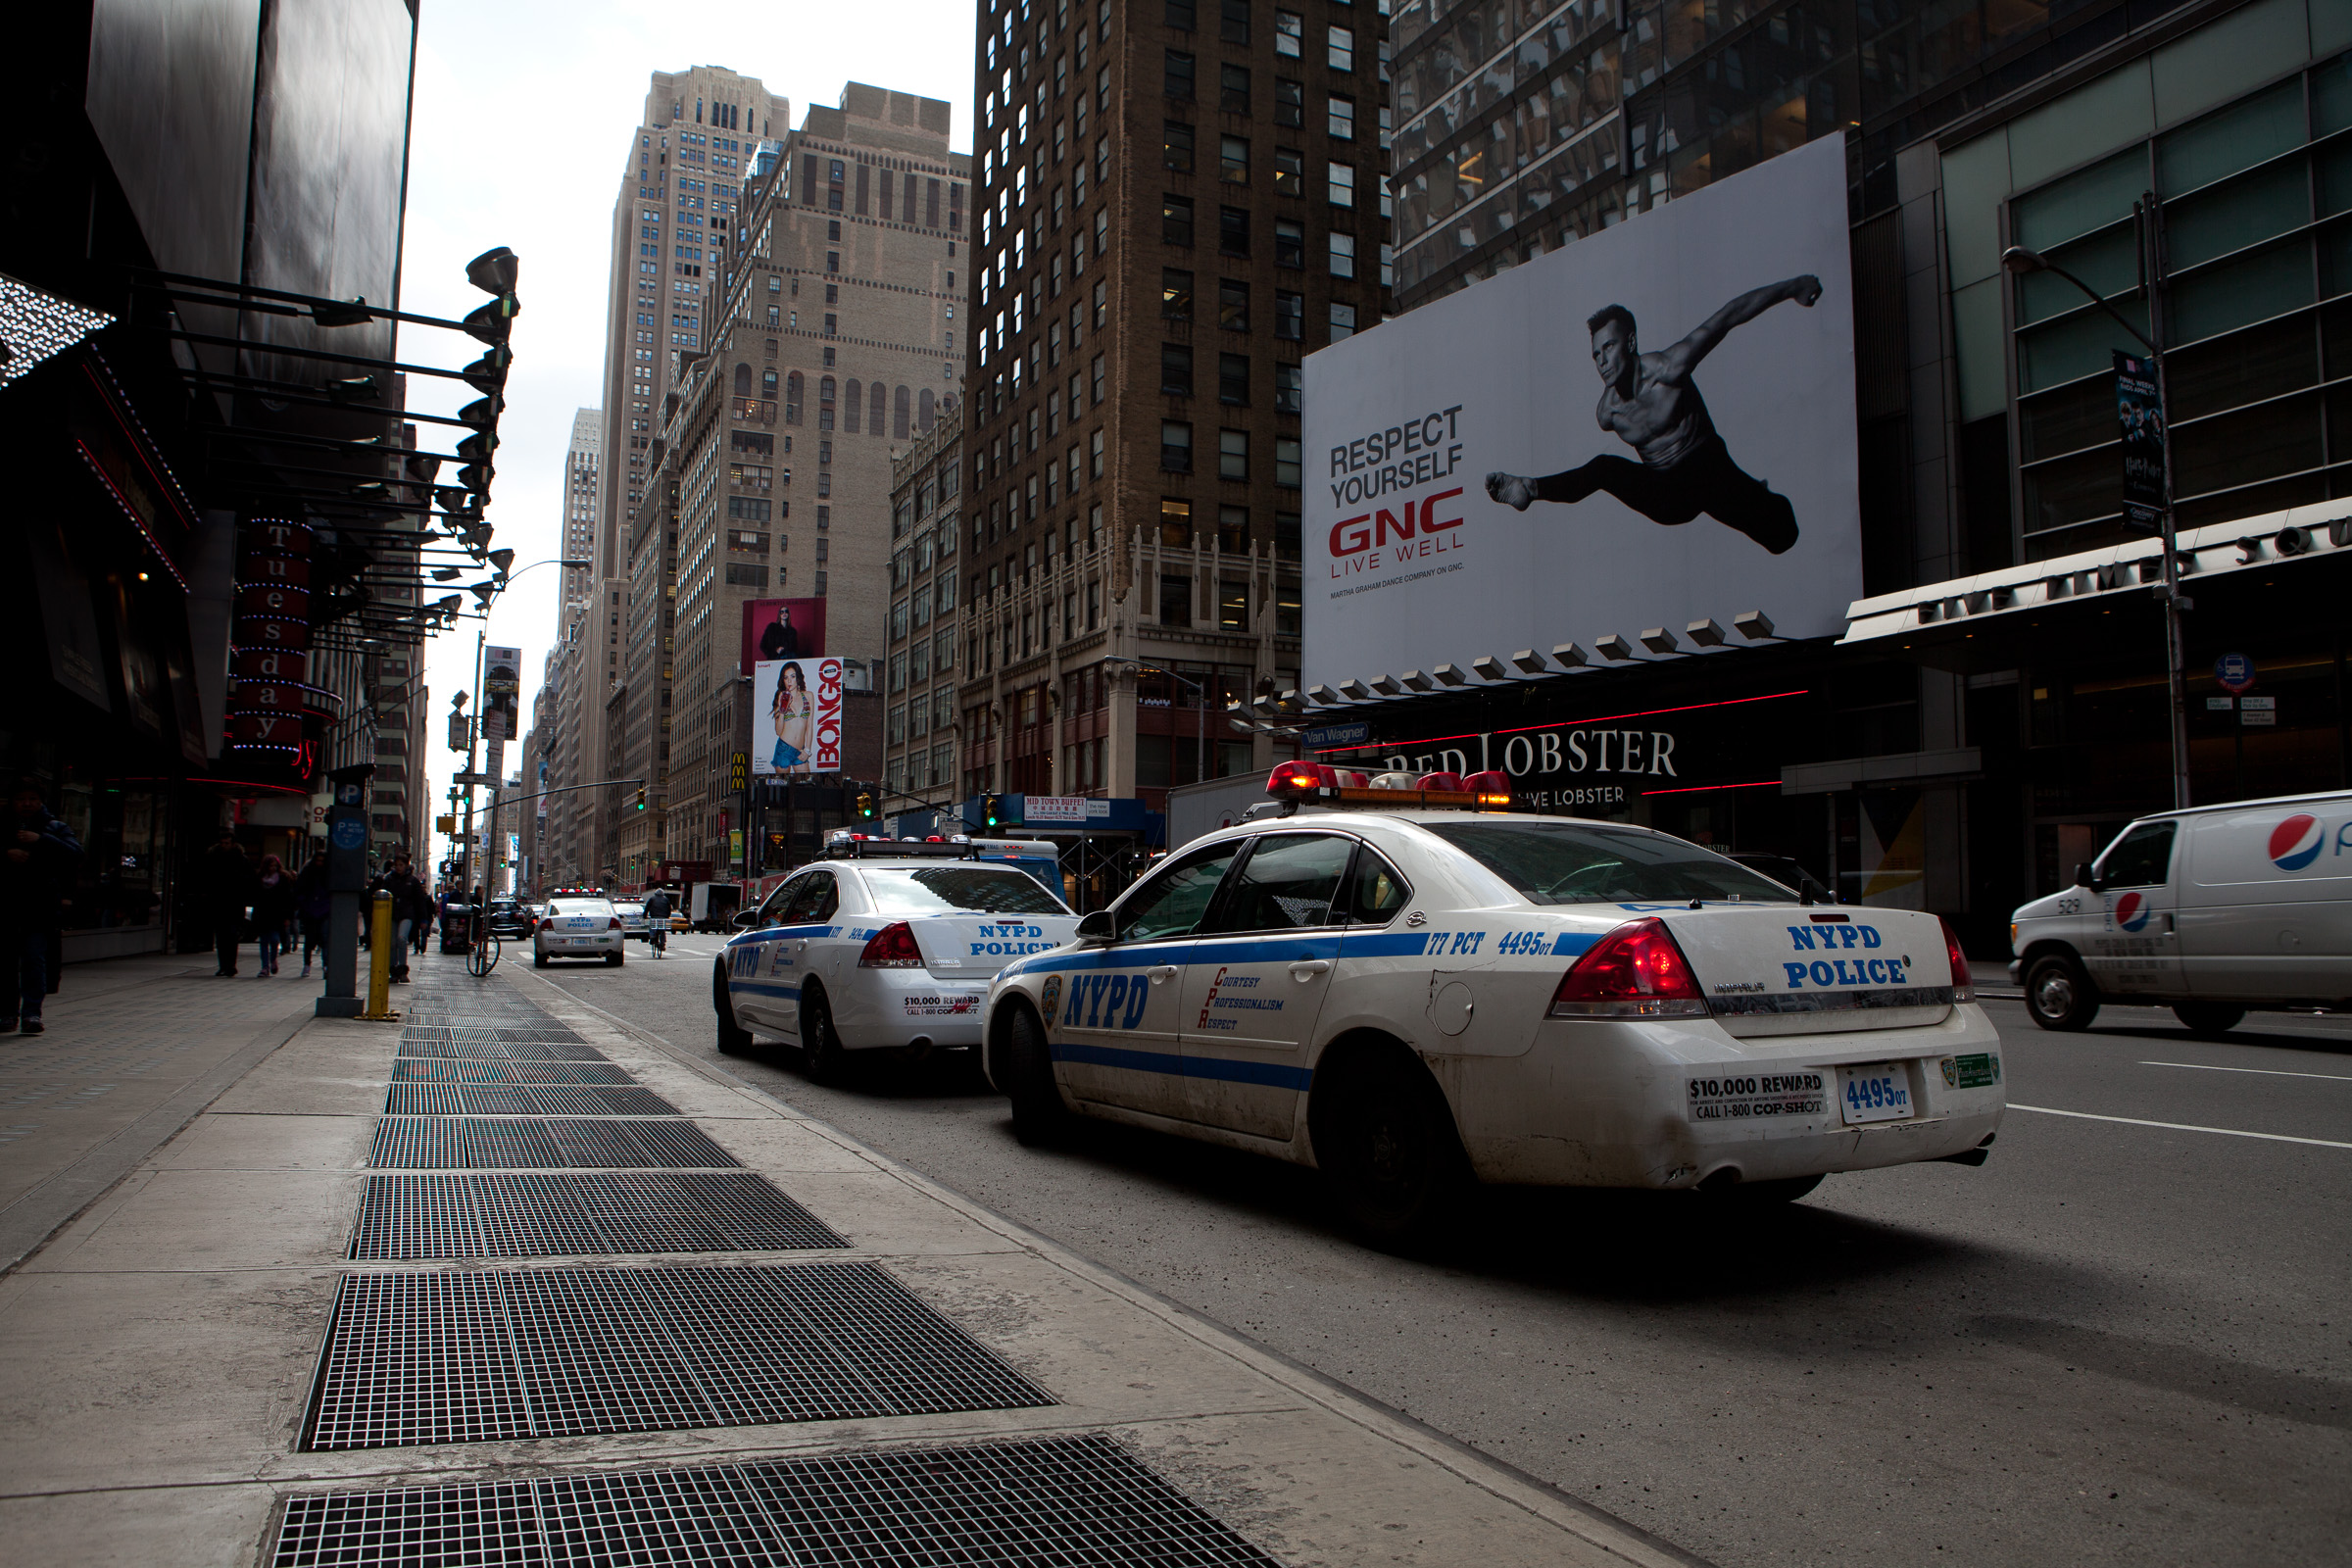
2086,877
1096,927
746,920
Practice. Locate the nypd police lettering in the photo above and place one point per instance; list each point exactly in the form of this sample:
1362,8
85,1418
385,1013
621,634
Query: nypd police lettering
1001,939
1108,1001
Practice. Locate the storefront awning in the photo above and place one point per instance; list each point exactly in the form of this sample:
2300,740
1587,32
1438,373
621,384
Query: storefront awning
1942,612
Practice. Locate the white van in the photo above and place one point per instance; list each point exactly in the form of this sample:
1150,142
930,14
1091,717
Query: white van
2215,911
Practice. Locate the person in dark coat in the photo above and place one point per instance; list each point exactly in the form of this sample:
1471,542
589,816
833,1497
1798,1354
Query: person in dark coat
228,880
410,904
312,902
273,907
36,870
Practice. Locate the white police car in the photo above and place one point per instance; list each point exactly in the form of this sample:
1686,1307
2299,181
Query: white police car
887,943
1408,990
577,924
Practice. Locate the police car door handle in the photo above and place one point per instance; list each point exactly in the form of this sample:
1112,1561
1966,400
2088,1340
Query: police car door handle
1306,969
1160,973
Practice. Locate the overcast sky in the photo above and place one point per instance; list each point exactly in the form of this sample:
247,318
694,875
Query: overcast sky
523,119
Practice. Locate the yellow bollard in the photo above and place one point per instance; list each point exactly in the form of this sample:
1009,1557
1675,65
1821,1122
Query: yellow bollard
379,961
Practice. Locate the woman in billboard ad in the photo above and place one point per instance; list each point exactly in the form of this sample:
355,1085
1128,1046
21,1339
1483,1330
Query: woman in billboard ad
791,711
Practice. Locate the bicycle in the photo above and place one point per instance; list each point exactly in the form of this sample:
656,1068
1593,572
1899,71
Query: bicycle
481,954
658,939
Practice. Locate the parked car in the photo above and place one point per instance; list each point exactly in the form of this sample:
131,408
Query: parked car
2215,911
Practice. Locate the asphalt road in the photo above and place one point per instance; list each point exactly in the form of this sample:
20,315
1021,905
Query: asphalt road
2114,1343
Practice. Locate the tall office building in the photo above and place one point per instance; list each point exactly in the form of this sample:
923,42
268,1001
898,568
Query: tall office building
565,690
674,222
1177,202
834,348
583,463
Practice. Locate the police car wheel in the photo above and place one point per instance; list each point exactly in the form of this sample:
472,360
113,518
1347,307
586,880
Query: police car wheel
1038,1117
2208,1017
538,960
820,1046
733,1038
2058,993
1386,1144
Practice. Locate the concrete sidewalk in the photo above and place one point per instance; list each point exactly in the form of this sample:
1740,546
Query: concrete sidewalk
166,1400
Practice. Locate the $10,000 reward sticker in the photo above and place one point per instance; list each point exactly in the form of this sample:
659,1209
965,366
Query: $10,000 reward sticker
1746,1096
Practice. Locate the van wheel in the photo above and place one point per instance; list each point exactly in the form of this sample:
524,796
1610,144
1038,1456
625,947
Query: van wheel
1039,1116
733,1038
1390,1158
821,1056
2207,1017
2058,994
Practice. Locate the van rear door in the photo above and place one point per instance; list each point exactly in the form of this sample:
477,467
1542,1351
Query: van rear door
2135,949
2266,902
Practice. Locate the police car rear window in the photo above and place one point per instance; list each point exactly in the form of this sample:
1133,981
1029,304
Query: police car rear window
958,889
1562,863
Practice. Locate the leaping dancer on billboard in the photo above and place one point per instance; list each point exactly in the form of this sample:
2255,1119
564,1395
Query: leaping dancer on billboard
1652,403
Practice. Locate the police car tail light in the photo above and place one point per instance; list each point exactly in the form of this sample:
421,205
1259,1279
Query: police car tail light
1636,971
613,924
892,947
1963,985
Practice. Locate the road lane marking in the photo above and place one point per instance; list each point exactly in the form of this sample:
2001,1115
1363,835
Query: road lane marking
2267,1072
2182,1127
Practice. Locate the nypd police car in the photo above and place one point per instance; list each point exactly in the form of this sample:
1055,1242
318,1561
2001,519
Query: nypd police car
885,944
1401,984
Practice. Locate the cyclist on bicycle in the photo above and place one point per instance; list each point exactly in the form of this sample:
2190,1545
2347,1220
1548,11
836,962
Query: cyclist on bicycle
656,922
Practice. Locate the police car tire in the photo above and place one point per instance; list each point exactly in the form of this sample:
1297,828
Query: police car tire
821,1056
612,960
1039,1116
733,1038
2058,994
1389,1152
538,960
2208,1017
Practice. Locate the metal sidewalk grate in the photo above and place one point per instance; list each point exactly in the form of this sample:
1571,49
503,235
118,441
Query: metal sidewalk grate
588,1214
1072,1503
524,1099
566,1353
443,1049
459,1143
434,1071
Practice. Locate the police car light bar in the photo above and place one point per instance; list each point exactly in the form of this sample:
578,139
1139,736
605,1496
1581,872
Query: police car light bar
1320,784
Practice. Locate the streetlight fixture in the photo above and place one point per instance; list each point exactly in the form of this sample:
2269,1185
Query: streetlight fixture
2020,260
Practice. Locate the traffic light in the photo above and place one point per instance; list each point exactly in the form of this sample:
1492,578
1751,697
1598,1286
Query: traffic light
640,797
865,807
992,811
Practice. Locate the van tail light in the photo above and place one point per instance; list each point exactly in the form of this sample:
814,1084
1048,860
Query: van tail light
1636,971
892,947
1964,984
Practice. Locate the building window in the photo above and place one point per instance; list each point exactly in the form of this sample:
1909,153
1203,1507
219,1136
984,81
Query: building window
1286,535
1233,453
1343,321
1290,242
1233,231
1233,305
1233,530
1233,379
1178,14
1290,315
1175,601
1290,31
1176,75
1175,523
1341,181
1233,605
1342,118
1094,456
1175,294
1290,103
1176,220
1233,160
1176,369
1289,395
1233,89
745,575
1176,146
1289,171
1175,446
1289,462
1342,255
1339,50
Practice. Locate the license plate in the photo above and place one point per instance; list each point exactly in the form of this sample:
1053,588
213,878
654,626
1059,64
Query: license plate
1879,1092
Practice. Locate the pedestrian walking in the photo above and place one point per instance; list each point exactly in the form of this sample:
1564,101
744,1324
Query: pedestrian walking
226,876
409,904
312,902
36,872
273,907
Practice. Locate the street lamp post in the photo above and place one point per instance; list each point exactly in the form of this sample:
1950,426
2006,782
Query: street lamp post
2019,261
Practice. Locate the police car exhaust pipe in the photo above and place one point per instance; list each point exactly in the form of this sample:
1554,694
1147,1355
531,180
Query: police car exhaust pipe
1720,1178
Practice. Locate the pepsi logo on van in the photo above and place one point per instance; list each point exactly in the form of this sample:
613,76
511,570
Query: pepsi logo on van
2296,841
2131,911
